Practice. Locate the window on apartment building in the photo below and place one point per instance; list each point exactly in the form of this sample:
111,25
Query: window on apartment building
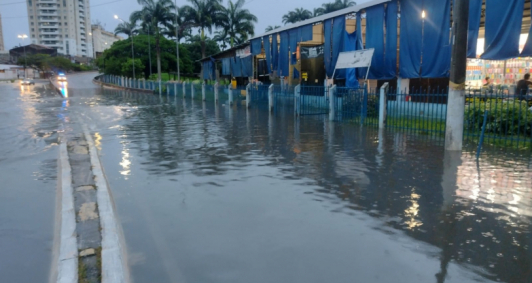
29,2
31,23
64,3
31,17
66,35
32,29
33,35
66,24
65,17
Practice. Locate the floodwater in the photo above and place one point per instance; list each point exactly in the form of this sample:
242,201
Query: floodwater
210,193
29,132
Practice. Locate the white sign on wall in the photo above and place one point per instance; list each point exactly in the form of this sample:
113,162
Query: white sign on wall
244,52
355,59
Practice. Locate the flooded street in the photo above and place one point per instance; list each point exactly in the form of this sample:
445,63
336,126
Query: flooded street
31,123
212,193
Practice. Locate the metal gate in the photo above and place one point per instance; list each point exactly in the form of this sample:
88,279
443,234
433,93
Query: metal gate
313,100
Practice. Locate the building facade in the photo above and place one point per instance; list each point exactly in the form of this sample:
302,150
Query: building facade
102,39
61,24
2,48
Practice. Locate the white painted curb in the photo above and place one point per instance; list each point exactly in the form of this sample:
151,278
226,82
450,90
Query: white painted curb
113,268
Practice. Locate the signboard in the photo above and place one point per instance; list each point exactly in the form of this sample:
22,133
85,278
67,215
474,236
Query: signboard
304,76
311,52
355,59
244,52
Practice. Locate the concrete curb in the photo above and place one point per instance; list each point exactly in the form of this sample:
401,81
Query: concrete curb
67,265
113,263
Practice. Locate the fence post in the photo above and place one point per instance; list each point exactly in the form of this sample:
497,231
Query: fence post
184,89
332,103
230,90
382,105
216,92
297,100
203,91
175,89
248,95
270,98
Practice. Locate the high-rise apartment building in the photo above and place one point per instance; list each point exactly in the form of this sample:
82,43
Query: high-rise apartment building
1,35
61,24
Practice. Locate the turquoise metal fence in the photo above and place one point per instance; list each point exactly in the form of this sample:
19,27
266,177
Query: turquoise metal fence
357,105
283,98
223,94
209,92
419,110
259,95
508,122
313,100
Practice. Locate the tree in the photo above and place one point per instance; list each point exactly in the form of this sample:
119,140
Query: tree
299,14
222,37
127,28
193,47
237,22
112,59
158,14
183,27
127,67
333,6
36,61
204,15
270,28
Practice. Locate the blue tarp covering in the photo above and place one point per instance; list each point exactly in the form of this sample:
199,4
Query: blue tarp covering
226,66
375,39
236,69
275,53
208,70
350,75
436,45
294,39
306,33
338,34
247,66
327,32
527,50
411,38
283,54
256,46
390,58
503,28
268,51
475,12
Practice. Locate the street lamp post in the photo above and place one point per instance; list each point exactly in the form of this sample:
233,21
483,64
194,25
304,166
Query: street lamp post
22,37
132,48
177,40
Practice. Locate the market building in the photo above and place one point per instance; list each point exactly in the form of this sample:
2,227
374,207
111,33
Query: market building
411,40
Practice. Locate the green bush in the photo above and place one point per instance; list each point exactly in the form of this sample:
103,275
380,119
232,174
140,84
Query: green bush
510,117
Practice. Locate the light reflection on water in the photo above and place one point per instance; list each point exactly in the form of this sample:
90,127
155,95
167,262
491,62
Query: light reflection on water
476,214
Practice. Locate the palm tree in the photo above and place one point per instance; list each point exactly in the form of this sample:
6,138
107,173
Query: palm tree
237,22
157,14
183,27
317,12
299,14
128,28
342,4
333,6
270,28
222,37
204,15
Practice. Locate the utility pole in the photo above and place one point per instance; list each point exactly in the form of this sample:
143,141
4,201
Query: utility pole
177,40
454,131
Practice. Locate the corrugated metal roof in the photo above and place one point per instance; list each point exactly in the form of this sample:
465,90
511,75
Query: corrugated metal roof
319,19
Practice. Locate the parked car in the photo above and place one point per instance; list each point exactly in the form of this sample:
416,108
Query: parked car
27,82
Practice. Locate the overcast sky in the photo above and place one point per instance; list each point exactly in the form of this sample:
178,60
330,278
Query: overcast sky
269,12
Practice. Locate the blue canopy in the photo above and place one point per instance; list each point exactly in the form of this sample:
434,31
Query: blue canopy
503,29
436,43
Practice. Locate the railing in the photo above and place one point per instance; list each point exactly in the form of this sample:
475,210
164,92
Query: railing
313,100
509,118
357,105
259,94
418,110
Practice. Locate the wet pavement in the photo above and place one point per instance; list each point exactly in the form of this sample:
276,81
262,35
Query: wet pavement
31,123
212,194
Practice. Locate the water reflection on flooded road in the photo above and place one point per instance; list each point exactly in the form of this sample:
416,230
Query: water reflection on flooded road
217,194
